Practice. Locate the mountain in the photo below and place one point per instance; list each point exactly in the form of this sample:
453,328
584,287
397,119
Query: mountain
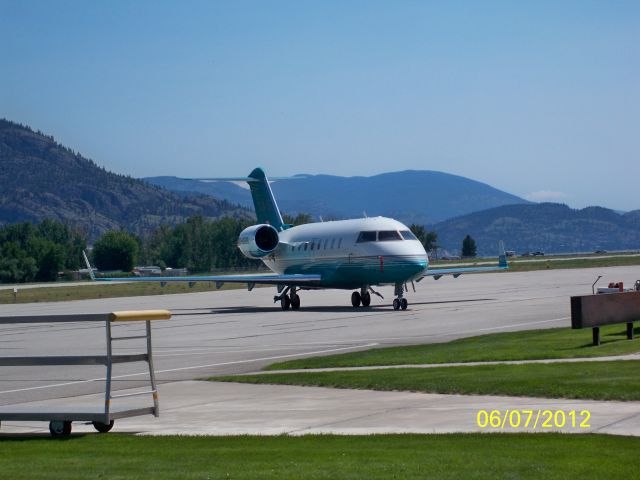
40,178
420,197
547,227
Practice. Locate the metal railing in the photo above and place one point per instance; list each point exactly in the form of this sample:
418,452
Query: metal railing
60,420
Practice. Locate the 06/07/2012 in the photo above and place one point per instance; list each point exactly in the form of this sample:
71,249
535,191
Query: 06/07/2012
536,419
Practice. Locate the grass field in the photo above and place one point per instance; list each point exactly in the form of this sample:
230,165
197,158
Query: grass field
523,345
610,380
104,290
469,456
522,265
526,264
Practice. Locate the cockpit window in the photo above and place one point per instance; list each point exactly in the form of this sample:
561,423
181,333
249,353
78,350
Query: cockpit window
388,235
408,235
366,237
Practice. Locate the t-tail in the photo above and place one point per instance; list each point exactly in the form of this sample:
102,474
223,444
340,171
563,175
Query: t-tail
263,200
502,256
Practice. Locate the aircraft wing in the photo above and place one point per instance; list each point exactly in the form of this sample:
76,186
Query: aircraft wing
250,280
437,273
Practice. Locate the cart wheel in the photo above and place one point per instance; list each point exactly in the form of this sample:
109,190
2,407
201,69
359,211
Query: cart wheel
103,427
60,428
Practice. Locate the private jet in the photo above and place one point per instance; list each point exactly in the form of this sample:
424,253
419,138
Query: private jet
356,254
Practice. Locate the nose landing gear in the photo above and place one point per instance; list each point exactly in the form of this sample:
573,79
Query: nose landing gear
400,302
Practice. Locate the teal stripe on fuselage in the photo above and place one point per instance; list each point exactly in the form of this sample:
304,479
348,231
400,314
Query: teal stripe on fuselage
359,271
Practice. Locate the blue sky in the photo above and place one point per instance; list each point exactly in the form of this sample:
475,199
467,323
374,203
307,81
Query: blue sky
541,99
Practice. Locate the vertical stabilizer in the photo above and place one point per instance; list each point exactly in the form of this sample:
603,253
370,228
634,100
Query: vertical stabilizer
264,201
502,256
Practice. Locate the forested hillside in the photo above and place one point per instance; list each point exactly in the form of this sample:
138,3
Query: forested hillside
40,178
548,227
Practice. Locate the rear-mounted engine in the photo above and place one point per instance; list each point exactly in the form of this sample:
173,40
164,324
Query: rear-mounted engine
258,241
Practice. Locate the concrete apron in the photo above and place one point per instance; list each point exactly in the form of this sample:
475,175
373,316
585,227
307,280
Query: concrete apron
208,408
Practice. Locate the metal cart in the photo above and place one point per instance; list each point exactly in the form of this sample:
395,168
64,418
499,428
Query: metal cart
102,420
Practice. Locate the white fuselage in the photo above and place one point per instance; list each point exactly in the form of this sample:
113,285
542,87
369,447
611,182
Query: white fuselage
386,253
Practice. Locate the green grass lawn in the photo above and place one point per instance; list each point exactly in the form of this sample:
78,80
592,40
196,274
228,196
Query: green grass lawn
522,345
468,456
550,263
105,290
584,380
525,264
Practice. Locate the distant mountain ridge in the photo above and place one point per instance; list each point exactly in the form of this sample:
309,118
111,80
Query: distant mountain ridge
40,178
547,227
411,196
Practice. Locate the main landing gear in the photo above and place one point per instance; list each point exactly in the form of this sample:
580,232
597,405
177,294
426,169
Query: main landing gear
358,299
400,302
363,297
288,300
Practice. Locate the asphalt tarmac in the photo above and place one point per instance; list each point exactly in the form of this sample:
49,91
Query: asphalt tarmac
237,331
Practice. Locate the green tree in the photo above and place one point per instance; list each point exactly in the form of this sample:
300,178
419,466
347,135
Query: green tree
38,252
427,238
469,247
15,264
115,250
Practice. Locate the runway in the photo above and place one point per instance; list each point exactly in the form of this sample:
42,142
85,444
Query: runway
237,331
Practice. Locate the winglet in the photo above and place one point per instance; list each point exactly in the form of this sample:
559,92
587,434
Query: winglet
86,262
502,256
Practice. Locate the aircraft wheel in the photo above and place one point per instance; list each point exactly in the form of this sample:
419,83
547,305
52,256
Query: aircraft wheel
295,301
366,299
60,428
355,299
285,303
396,304
404,304
102,427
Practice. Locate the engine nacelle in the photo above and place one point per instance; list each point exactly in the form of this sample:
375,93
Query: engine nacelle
258,241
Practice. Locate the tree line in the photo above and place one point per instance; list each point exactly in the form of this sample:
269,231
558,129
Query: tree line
31,252
38,252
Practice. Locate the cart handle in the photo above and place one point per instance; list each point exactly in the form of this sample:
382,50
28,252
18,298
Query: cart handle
137,315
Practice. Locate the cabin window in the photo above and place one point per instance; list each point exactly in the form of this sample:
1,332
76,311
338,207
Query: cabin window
368,236
333,242
339,243
408,235
306,245
326,242
311,247
388,235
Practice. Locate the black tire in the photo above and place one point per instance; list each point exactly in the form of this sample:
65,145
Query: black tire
355,299
295,301
102,427
366,299
60,428
396,304
404,304
285,303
